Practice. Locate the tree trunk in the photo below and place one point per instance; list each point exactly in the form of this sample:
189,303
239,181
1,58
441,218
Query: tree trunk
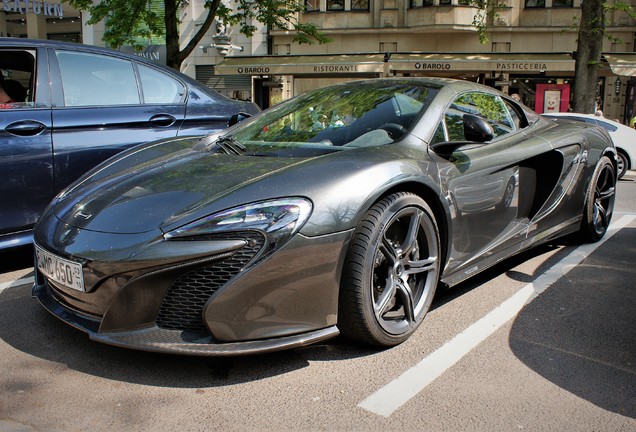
588,55
174,54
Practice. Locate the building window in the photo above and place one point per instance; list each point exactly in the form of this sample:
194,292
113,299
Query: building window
501,46
335,5
464,2
360,5
535,4
388,46
562,3
282,49
416,3
444,2
312,5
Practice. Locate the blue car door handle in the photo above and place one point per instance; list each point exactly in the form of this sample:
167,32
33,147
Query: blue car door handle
163,120
25,128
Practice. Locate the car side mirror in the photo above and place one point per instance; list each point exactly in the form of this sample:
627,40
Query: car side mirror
477,129
238,117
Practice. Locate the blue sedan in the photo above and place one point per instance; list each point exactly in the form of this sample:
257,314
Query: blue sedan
77,105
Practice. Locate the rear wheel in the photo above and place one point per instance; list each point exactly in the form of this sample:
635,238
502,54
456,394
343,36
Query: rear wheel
623,164
391,271
599,202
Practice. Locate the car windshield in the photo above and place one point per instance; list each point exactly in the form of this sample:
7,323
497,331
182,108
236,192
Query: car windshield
339,117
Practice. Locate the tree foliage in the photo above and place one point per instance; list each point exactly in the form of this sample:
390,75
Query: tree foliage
131,22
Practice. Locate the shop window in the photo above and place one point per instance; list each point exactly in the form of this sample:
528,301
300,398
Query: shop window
335,5
312,5
562,3
359,5
416,3
428,3
444,2
535,4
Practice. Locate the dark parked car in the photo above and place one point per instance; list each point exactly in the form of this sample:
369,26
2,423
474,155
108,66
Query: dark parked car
77,105
338,211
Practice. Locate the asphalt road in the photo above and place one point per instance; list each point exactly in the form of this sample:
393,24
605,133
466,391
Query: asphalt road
483,360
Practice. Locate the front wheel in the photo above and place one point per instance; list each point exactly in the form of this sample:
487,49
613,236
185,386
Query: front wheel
391,271
599,202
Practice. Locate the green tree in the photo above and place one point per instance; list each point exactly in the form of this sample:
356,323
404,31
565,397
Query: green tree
591,28
130,21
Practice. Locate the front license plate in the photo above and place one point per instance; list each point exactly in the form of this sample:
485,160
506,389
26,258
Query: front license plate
62,271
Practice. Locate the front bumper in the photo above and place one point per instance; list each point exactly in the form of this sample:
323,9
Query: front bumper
217,305
174,341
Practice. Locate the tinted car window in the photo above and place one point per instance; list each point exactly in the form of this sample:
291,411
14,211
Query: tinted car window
90,79
17,68
159,88
487,106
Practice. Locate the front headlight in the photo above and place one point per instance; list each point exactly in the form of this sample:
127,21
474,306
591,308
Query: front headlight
278,219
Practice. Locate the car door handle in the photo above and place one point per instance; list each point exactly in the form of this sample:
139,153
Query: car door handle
163,120
25,128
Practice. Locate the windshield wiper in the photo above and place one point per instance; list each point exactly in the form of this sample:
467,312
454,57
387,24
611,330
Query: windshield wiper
230,146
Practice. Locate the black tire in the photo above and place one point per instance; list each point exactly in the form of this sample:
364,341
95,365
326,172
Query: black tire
599,202
623,164
391,271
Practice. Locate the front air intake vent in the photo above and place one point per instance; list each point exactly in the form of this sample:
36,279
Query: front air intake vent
182,307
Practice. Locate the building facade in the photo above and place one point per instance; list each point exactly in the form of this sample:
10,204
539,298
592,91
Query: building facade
529,52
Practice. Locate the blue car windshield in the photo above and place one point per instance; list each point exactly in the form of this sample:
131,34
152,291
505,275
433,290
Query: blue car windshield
340,117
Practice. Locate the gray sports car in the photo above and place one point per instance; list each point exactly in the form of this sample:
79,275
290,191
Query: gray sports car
339,211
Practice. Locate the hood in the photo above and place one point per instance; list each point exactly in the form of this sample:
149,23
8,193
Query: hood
159,184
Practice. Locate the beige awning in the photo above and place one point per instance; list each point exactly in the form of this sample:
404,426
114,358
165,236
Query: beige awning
302,64
622,63
482,62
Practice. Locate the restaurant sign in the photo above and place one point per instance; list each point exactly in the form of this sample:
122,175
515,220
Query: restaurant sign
35,7
473,65
283,69
520,62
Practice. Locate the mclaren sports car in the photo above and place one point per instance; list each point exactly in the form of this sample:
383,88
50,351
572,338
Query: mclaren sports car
339,211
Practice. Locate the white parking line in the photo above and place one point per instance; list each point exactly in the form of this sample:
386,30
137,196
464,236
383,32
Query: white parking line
15,283
399,391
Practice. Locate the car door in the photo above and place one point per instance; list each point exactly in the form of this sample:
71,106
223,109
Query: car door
489,185
26,166
104,104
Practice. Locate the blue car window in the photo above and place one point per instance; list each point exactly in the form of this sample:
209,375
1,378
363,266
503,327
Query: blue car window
97,80
159,88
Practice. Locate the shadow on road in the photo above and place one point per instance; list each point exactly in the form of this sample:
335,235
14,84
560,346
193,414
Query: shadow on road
16,259
581,333
27,327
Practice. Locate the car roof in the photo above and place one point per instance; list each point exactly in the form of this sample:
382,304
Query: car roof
30,43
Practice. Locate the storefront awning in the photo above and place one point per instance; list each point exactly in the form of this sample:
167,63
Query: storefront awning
622,63
301,65
482,62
